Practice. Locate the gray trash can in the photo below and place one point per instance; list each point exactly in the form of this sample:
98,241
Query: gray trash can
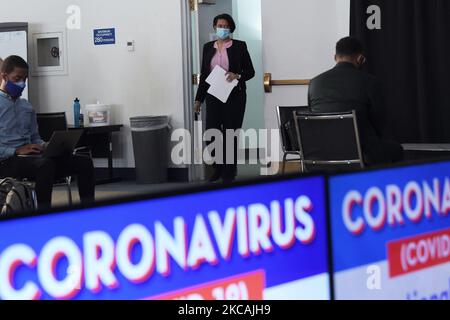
151,144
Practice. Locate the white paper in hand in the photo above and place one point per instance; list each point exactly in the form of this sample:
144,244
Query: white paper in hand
219,86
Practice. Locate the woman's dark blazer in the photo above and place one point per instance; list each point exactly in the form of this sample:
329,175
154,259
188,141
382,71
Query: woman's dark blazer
240,63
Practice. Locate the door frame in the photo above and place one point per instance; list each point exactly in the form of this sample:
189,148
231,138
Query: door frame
187,7
188,96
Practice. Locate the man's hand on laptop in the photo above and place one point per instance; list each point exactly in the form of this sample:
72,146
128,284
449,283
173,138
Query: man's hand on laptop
29,149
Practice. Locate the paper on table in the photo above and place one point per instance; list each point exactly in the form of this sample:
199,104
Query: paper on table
219,86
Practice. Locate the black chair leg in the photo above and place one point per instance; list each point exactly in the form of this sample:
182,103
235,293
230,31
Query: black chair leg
283,165
302,167
69,190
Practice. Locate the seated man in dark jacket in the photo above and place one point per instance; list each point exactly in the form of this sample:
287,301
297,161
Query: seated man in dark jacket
347,88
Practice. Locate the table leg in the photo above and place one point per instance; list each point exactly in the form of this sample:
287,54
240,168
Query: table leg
111,178
110,157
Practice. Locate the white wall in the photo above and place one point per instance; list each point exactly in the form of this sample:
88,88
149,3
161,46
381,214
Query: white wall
148,81
299,38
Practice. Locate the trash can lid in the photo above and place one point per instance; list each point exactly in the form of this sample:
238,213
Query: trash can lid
146,123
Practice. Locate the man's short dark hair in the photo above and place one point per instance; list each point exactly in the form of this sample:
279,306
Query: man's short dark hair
13,62
349,47
228,18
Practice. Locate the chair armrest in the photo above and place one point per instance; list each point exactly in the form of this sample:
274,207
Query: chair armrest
82,151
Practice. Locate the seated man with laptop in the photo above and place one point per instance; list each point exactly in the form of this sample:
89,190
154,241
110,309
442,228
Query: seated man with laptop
23,154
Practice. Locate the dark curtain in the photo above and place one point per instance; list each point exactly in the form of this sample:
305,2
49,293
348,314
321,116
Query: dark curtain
410,55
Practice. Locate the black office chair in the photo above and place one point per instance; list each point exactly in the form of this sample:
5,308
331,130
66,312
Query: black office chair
288,131
48,123
328,141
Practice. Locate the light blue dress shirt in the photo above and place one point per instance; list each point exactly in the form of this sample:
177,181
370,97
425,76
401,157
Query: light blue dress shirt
18,125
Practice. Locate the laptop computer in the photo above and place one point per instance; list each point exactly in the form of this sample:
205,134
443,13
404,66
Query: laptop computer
62,143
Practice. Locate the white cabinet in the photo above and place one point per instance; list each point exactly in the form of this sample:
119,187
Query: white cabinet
49,54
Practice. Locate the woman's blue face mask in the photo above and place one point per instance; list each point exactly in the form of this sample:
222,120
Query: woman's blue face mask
223,33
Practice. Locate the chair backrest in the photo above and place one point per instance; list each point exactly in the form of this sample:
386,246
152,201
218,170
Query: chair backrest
48,123
286,125
329,140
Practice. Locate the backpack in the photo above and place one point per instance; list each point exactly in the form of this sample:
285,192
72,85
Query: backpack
16,197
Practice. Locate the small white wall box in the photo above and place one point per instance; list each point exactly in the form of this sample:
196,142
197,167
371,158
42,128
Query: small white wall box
49,54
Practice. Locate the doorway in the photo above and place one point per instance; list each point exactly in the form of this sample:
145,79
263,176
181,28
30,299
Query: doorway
247,15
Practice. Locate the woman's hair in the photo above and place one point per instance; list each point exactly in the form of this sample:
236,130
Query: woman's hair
228,18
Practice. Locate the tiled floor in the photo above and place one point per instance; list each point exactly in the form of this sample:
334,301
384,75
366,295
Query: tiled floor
131,188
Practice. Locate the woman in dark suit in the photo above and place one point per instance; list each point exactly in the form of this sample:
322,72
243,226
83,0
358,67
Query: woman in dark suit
233,56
